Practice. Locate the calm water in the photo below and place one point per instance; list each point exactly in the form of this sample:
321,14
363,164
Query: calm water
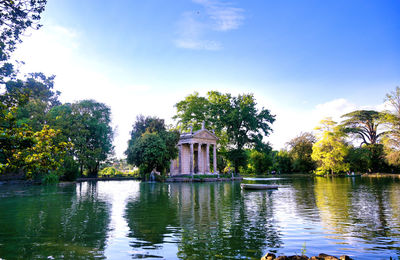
359,217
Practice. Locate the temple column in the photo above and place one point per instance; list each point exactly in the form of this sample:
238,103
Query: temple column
200,166
207,159
215,158
191,159
180,158
171,167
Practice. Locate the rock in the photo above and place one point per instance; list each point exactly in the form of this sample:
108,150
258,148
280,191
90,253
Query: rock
282,257
322,256
268,256
327,257
298,257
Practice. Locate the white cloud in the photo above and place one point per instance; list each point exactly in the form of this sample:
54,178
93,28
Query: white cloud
385,106
334,109
290,122
224,16
215,16
198,44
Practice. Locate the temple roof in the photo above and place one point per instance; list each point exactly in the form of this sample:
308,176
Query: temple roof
199,134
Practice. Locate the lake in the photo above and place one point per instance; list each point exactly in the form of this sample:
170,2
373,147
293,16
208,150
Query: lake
356,216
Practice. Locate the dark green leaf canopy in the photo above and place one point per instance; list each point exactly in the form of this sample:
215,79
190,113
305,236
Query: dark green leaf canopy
151,146
364,125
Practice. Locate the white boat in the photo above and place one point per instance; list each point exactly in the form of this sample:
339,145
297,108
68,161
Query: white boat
247,186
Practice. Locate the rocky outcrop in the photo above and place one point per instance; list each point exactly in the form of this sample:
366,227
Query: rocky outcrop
271,256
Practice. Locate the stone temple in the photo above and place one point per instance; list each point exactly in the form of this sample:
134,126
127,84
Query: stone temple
194,153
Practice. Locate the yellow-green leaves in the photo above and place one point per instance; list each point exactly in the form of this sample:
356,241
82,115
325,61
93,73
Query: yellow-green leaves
330,151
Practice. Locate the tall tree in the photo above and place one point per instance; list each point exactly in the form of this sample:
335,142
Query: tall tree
300,150
93,144
237,121
33,152
87,124
330,150
15,17
42,97
392,139
151,146
364,125
192,111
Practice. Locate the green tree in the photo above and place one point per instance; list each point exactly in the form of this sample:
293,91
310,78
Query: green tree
364,125
330,150
15,17
300,150
12,137
93,134
42,97
192,111
149,152
237,121
261,162
61,118
282,161
87,124
35,153
359,159
46,155
392,139
151,146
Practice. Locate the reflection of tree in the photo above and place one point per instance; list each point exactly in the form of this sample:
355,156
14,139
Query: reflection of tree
332,199
360,208
226,222
150,214
305,198
374,213
53,221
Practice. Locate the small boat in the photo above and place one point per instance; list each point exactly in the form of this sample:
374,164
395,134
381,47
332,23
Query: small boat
247,186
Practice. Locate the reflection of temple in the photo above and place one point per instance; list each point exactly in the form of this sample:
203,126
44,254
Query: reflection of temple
194,153
218,219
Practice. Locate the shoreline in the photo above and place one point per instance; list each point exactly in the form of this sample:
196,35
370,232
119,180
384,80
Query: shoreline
185,179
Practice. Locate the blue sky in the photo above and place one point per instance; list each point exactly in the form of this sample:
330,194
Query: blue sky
304,60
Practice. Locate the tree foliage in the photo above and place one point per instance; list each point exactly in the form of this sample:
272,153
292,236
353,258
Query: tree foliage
15,17
41,98
46,155
364,125
192,111
36,153
282,162
359,159
392,139
330,150
87,124
236,120
260,162
300,150
151,146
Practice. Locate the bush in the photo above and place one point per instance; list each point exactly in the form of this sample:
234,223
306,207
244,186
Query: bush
112,172
70,169
109,172
50,178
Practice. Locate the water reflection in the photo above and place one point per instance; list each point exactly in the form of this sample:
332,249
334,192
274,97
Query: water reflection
129,219
204,220
54,222
359,211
